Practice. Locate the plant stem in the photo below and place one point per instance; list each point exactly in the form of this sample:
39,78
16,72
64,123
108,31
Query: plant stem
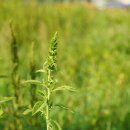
47,109
48,99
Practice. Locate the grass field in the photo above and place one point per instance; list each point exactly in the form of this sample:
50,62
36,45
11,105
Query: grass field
93,57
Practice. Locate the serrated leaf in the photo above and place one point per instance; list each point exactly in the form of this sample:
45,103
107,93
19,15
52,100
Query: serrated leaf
27,111
5,99
38,107
65,87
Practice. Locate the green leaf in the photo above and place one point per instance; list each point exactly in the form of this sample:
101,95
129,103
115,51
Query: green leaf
40,71
38,107
42,93
5,99
56,125
64,107
65,87
27,111
32,82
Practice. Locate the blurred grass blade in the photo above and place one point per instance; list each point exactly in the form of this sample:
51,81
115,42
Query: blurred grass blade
5,99
56,125
27,111
65,87
1,111
64,107
3,76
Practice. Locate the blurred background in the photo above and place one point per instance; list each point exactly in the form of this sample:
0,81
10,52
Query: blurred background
93,57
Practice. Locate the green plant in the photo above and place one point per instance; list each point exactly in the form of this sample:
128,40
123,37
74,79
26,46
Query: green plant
48,85
15,79
15,63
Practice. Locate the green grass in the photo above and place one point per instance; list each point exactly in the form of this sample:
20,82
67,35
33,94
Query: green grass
93,57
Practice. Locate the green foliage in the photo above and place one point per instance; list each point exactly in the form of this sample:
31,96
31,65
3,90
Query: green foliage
48,86
2,101
93,55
